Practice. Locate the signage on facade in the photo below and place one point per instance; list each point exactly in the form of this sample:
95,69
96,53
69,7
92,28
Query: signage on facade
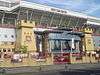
58,10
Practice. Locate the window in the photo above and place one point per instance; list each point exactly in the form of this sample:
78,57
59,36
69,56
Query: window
89,41
13,49
12,43
66,45
9,50
77,43
12,36
56,45
4,50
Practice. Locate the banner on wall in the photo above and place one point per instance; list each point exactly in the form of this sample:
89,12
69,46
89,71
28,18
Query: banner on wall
61,58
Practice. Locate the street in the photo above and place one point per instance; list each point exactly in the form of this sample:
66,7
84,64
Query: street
74,72
74,69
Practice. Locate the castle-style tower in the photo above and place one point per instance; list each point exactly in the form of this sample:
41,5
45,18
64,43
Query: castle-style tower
88,39
26,36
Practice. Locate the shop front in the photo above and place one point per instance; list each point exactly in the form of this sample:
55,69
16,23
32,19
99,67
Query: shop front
65,47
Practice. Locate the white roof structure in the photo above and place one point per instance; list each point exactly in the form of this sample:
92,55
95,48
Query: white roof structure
93,20
93,23
6,4
11,1
51,9
48,9
43,8
60,11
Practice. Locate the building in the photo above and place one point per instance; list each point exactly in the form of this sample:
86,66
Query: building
29,30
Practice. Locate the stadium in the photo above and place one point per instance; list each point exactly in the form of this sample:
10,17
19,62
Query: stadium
32,33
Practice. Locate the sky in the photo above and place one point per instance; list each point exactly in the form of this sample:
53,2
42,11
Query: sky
90,7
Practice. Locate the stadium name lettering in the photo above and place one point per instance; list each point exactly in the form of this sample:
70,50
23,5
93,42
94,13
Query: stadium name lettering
58,10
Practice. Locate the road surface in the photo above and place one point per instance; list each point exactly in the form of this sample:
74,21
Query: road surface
74,69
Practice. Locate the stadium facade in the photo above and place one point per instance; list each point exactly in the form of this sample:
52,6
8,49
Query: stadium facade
32,33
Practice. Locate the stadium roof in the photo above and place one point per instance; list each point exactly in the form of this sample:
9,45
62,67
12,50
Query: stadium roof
36,6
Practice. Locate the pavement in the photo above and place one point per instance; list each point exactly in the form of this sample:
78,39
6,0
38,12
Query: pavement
69,69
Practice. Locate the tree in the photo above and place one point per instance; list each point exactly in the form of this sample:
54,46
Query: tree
23,49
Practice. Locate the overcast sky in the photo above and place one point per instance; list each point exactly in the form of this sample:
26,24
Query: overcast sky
91,7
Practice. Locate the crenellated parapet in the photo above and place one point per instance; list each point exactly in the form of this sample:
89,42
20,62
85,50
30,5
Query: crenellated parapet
87,30
25,24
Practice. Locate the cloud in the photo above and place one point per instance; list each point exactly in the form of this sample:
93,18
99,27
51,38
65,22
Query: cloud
85,6
66,4
93,8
